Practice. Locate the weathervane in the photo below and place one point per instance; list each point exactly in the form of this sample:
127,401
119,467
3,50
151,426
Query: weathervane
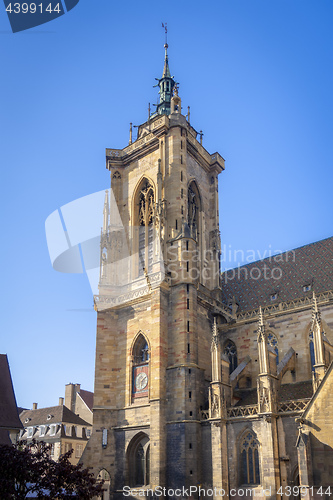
166,32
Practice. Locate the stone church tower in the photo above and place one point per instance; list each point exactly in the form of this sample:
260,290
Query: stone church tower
154,331
200,375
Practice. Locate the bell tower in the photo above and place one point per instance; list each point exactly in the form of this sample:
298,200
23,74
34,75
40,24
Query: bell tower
160,253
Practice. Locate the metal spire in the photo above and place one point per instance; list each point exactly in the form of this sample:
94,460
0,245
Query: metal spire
166,83
166,69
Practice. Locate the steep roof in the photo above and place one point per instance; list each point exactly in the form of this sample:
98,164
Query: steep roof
9,418
298,390
48,416
88,398
284,274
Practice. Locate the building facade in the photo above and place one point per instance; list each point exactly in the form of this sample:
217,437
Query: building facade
199,376
59,426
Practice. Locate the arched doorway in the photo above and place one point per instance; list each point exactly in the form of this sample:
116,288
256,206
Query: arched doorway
103,474
138,460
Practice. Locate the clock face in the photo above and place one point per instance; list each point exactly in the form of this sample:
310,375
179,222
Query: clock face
141,381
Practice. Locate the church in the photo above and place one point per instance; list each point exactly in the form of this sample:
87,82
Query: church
206,383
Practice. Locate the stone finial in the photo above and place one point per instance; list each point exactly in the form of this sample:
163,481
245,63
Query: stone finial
261,326
215,334
130,134
316,317
106,212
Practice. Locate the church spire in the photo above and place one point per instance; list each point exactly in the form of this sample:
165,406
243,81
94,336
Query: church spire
166,69
166,84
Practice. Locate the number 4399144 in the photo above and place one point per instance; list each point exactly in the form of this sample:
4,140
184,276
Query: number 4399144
32,8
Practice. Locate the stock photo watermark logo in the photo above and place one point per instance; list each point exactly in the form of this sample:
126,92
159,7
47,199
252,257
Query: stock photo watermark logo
88,236
26,15
78,243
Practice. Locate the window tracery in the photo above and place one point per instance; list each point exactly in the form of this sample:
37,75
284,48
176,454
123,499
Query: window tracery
140,351
139,461
273,342
230,350
146,210
140,368
249,460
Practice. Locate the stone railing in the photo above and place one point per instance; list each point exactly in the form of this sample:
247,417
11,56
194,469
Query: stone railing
235,411
242,411
293,405
286,306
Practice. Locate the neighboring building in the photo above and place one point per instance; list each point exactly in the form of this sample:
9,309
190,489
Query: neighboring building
200,376
58,426
79,401
10,424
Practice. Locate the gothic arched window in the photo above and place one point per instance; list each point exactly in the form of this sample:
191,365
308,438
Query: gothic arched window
312,353
139,472
140,350
145,215
230,350
249,460
105,476
272,341
139,461
140,368
193,198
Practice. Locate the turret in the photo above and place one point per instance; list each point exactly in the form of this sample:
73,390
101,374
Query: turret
166,85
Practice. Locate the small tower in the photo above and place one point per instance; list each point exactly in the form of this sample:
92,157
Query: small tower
267,378
176,103
166,85
318,344
156,298
219,398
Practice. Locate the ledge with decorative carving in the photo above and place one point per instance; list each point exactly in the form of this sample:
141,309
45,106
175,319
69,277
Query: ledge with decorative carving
118,296
283,307
114,153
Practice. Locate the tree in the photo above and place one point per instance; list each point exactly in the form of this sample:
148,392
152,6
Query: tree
28,469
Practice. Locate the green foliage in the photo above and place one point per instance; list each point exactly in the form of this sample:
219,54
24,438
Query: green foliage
28,468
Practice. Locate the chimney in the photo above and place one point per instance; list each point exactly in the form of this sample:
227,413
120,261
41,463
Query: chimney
61,401
34,406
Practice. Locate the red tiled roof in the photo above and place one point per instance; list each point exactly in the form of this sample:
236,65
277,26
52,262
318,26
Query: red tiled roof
284,274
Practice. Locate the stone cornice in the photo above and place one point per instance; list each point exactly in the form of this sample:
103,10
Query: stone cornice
279,309
141,147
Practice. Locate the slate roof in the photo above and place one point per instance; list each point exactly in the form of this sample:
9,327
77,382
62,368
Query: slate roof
284,274
59,414
88,398
9,418
298,390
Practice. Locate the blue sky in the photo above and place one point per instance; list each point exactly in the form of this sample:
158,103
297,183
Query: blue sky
258,76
